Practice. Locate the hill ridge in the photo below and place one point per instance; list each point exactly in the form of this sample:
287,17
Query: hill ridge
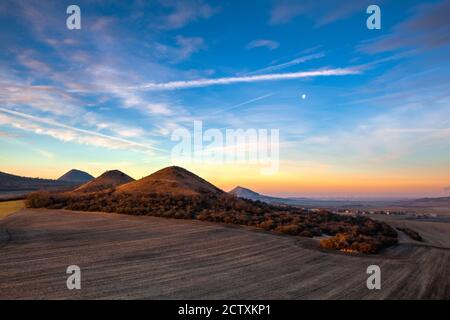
76,176
107,180
171,180
11,182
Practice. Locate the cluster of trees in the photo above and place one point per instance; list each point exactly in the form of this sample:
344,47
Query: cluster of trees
362,235
353,233
360,242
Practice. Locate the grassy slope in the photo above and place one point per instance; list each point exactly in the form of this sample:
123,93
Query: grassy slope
9,207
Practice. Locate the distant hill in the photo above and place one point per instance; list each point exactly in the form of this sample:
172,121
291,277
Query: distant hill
246,193
171,180
76,176
440,199
109,179
424,204
12,183
428,202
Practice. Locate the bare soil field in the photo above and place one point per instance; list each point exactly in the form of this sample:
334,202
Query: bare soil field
139,257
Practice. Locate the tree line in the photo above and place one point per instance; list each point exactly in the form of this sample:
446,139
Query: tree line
347,233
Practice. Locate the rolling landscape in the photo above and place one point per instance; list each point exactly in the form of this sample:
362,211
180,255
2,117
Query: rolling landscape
130,257
173,235
225,150
420,206
12,186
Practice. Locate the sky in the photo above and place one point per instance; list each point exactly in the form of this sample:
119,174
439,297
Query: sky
360,112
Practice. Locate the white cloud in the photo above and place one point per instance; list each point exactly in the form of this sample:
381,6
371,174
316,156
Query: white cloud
284,12
269,44
129,133
188,46
67,133
321,12
159,108
398,134
45,153
184,12
134,100
122,130
41,98
152,86
242,104
33,64
5,134
290,63
184,48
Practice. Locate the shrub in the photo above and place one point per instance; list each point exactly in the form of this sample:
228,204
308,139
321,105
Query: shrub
267,225
291,229
39,199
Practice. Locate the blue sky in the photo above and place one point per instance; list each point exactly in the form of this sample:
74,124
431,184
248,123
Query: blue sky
375,120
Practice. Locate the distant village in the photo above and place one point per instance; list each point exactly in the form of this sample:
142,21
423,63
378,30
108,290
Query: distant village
360,212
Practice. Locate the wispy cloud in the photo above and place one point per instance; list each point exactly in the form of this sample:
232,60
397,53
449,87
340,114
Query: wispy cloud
321,12
159,109
285,11
132,99
40,97
396,135
334,11
69,133
15,95
264,43
173,85
184,48
290,63
184,12
242,104
45,153
6,134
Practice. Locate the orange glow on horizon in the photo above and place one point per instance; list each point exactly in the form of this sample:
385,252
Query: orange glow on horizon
289,181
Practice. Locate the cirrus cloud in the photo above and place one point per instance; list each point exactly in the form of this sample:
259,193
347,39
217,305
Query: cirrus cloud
182,12
263,43
63,132
173,85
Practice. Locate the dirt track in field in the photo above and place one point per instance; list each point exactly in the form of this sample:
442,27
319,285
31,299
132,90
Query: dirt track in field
128,257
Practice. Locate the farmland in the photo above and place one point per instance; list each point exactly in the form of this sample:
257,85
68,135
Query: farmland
130,257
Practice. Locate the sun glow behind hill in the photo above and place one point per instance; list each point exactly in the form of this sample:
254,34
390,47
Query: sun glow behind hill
313,180
292,180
